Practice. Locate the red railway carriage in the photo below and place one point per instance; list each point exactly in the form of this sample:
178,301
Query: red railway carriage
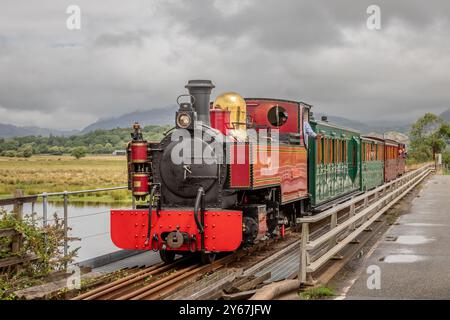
394,159
401,158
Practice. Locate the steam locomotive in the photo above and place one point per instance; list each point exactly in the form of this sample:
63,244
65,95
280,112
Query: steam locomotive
237,171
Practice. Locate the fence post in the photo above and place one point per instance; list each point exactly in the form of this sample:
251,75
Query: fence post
18,213
351,214
333,224
303,253
44,208
66,216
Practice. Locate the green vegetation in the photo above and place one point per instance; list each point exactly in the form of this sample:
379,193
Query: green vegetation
96,142
59,173
79,152
316,293
44,243
429,135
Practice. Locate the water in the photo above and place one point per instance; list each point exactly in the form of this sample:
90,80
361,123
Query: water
89,222
401,258
413,240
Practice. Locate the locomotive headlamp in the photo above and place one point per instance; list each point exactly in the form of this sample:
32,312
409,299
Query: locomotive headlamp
186,116
184,120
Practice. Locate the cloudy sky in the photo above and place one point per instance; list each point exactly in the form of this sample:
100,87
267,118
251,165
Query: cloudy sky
138,54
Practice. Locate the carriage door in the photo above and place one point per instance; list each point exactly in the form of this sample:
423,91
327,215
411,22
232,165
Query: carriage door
354,158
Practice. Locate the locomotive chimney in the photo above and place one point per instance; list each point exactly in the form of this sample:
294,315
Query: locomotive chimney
201,91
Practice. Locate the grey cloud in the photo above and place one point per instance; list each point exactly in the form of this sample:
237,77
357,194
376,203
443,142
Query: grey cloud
139,55
127,38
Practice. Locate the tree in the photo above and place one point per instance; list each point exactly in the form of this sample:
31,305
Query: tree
429,135
26,150
79,152
446,157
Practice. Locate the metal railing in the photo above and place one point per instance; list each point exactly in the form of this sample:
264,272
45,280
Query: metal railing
356,215
33,199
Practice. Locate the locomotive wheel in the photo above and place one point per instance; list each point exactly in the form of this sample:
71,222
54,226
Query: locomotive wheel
167,256
207,258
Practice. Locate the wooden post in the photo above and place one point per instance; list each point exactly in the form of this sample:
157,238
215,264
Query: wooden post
303,253
333,224
18,213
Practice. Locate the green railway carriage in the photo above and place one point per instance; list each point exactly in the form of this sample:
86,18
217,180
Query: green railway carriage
334,163
372,162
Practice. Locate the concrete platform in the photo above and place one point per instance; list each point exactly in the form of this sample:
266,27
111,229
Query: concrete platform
413,257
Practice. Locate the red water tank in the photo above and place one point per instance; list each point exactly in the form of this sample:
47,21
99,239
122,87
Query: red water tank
138,152
140,184
220,119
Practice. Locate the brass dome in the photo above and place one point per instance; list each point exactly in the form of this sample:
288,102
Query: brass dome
234,103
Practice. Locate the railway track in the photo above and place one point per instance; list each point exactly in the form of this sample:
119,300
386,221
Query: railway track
153,282
162,281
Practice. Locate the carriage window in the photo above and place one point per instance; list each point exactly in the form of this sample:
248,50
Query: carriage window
277,116
330,141
320,152
333,151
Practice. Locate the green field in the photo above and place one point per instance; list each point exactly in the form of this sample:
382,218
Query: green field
59,173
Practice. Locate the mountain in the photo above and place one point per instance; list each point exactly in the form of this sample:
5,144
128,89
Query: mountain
9,130
164,116
161,116
378,127
446,115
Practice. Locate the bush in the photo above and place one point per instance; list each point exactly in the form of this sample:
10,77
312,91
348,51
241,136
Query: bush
79,152
26,150
10,153
446,157
44,242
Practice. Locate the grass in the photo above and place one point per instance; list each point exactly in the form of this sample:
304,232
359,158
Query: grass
59,173
316,293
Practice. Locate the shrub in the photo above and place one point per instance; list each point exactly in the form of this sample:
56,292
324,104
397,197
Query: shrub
79,152
10,153
44,242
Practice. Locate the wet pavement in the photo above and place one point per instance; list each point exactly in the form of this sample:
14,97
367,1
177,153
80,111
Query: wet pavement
412,260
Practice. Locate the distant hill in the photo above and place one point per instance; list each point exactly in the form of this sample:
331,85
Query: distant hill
446,115
161,116
164,116
9,131
367,127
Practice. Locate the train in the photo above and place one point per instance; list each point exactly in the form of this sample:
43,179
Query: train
237,171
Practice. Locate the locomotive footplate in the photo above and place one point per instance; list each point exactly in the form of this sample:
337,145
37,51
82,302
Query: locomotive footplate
176,230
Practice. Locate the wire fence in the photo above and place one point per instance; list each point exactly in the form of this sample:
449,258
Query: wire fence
44,200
